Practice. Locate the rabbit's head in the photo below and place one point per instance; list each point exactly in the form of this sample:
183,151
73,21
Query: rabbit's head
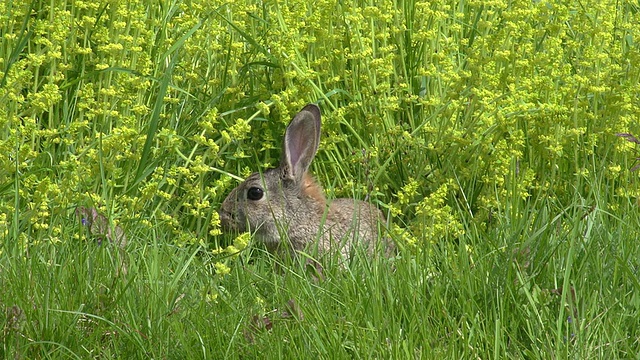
284,203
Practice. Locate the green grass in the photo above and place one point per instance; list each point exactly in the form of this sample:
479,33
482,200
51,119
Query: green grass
486,131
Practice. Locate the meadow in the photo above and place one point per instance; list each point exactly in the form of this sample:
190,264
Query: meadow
500,139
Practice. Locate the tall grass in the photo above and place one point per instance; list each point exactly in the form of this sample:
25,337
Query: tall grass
486,131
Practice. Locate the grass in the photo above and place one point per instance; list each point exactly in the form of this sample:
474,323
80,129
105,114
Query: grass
486,131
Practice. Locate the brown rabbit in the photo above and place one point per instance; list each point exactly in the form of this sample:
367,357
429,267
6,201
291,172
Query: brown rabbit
286,205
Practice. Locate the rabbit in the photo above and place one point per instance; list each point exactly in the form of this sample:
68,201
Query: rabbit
286,208
98,225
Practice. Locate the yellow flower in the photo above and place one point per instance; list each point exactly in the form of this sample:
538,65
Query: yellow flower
222,269
242,241
212,297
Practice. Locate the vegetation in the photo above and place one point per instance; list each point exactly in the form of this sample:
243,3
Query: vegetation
485,130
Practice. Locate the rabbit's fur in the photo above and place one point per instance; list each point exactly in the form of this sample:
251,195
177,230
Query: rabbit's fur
286,208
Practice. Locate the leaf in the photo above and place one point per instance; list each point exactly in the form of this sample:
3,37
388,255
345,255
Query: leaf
628,137
273,61
292,311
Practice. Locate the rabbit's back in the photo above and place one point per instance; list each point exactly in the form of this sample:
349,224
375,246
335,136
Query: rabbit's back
354,223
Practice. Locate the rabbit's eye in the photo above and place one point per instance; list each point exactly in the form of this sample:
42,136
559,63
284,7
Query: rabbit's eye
255,193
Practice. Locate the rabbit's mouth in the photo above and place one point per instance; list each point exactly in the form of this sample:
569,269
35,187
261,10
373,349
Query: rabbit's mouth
228,221
273,244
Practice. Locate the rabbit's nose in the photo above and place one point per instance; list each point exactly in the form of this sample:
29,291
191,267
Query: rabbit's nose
226,217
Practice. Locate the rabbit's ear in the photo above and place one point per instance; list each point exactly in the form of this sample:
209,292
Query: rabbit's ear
301,141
